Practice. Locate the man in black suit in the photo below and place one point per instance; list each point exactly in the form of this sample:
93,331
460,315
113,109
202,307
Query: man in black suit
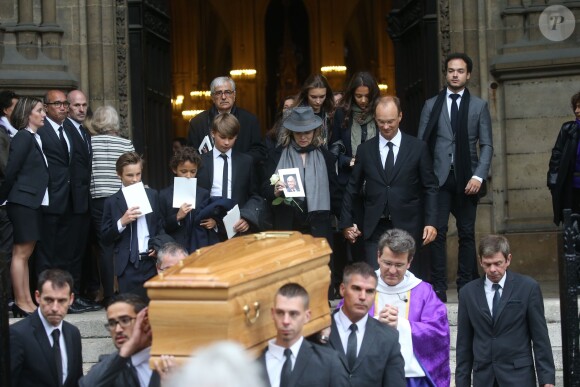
400,188
240,184
289,360
80,178
128,324
500,323
129,230
45,351
368,350
223,94
55,249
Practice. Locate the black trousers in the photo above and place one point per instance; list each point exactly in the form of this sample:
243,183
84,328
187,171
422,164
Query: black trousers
105,251
464,209
371,244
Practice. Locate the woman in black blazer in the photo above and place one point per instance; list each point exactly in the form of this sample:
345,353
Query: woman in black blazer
25,189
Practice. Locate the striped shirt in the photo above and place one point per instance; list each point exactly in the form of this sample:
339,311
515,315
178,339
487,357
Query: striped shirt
106,151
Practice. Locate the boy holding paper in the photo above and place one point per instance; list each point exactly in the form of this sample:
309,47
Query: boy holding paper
182,218
229,174
130,218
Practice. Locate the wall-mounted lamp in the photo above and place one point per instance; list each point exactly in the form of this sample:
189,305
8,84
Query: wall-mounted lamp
243,74
383,87
189,114
333,69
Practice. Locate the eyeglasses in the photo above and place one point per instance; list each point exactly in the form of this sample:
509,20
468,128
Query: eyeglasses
58,104
123,321
219,93
388,265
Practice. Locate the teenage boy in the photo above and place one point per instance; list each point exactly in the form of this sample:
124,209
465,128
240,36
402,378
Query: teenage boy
129,231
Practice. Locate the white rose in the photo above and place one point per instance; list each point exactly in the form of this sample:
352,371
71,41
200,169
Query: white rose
274,179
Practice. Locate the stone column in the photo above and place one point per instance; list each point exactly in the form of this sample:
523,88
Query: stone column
25,34
50,31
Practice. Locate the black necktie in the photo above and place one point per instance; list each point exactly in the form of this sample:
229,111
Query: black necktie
390,161
351,346
454,112
225,176
57,357
85,138
286,369
63,142
496,297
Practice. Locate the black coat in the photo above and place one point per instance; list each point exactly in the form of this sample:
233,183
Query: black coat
80,167
561,168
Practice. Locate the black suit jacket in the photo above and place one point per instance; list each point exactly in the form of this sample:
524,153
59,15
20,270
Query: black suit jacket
58,168
379,361
26,175
80,167
113,371
179,231
114,208
243,178
503,349
32,362
411,193
315,366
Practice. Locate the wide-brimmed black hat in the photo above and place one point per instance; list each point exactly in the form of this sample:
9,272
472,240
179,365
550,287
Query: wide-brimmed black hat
302,119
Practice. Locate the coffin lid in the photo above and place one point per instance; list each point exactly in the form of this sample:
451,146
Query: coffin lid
242,260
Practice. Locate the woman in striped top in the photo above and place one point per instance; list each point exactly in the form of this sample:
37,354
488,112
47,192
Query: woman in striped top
108,145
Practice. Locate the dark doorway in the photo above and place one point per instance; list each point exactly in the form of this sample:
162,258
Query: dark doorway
150,61
413,29
287,51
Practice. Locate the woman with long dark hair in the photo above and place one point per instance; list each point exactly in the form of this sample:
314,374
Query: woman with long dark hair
25,189
317,94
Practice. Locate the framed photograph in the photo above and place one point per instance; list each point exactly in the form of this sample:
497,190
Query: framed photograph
293,187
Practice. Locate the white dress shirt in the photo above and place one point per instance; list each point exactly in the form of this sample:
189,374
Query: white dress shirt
343,324
63,354
490,292
384,149
275,359
55,126
140,361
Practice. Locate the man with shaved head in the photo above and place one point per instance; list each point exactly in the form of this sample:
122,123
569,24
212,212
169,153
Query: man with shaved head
60,236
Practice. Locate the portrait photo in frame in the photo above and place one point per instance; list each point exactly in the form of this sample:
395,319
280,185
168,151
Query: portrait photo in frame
293,187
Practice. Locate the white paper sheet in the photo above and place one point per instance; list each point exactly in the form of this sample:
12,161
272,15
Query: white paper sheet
135,196
205,145
184,191
230,220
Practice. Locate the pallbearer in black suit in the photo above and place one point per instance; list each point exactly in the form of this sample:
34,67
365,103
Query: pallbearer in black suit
183,223
500,324
400,187
368,350
45,351
129,231
26,189
289,360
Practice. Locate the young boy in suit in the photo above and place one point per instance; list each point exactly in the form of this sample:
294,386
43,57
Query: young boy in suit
183,224
229,174
129,231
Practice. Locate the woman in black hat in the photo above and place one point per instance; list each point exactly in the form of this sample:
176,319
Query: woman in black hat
300,146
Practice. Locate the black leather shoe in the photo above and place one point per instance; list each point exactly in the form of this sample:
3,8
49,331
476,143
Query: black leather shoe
442,295
93,305
76,307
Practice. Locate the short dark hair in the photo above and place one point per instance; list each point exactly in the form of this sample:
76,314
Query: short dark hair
6,97
459,55
184,154
226,124
490,245
22,111
360,268
57,277
575,100
291,290
127,158
399,241
137,302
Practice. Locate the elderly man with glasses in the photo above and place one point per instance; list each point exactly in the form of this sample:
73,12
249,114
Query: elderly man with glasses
128,324
223,95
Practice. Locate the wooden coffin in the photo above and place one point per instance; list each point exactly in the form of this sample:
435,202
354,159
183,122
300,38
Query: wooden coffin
226,291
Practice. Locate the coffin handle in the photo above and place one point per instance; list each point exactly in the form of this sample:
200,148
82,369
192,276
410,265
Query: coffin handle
252,320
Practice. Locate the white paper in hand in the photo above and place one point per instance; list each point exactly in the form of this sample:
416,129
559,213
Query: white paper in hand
205,145
184,191
135,196
230,220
